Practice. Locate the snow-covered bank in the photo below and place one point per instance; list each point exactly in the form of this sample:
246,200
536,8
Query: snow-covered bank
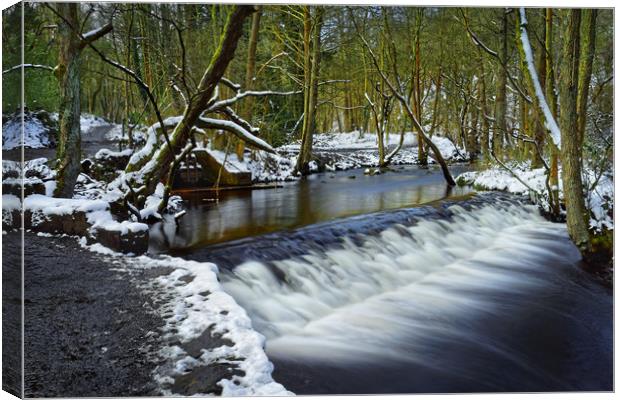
356,143
189,296
37,132
197,304
352,141
599,198
39,129
335,152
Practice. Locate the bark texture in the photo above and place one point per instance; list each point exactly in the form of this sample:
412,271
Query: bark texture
576,215
68,74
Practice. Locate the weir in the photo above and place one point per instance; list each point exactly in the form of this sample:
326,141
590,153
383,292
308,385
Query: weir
481,296
411,288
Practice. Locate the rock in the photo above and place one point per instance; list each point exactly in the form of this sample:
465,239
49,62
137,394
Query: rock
70,224
11,219
136,242
367,171
31,186
106,163
230,175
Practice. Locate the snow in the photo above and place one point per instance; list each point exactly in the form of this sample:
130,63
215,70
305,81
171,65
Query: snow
550,122
97,212
351,141
11,202
497,178
36,134
152,202
599,201
115,133
267,167
232,162
88,122
107,153
194,302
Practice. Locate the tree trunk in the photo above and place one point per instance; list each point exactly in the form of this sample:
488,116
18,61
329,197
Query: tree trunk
485,111
576,216
539,135
552,98
417,96
588,44
68,74
500,101
249,74
312,53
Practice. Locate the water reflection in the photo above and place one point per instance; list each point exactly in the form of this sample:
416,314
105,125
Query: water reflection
321,197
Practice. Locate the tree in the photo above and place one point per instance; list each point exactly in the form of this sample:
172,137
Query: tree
313,22
250,73
395,89
576,215
72,42
154,165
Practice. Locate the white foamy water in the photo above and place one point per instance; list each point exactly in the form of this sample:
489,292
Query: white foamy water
400,295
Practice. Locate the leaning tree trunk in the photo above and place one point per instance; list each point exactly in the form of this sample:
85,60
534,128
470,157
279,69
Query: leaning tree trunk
550,92
68,74
539,135
154,166
576,216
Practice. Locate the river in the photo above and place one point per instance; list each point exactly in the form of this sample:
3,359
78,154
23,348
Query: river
395,284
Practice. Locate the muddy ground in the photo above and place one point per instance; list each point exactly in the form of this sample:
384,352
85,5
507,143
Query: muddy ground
86,324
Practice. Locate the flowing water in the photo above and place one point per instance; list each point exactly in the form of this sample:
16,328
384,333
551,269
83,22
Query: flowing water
466,295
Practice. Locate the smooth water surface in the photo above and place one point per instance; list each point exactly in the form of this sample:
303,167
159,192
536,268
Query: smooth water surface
320,197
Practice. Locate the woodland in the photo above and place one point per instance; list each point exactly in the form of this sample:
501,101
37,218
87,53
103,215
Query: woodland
450,143
505,84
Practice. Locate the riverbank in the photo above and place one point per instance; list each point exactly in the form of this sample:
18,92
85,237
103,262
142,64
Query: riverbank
86,321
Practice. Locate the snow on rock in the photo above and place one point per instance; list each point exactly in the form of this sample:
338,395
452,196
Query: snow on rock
103,154
267,167
152,204
232,162
195,303
96,211
11,207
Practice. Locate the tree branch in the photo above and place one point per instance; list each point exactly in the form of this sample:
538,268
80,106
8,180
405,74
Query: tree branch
26,66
